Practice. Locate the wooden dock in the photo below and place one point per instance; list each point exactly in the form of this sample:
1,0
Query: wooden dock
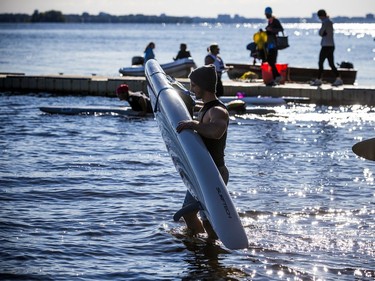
106,86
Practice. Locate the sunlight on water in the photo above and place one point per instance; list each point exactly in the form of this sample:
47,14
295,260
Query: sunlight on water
368,175
325,220
351,29
336,117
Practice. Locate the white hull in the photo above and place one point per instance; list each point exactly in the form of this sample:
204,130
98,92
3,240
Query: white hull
180,68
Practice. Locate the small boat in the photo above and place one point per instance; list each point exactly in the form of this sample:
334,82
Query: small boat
296,74
76,110
259,100
238,107
234,105
179,68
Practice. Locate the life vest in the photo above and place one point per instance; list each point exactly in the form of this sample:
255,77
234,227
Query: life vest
218,63
260,39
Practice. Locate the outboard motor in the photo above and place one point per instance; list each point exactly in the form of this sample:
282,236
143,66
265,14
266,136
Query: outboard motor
138,60
346,64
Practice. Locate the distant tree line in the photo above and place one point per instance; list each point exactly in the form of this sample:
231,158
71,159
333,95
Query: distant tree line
58,17
50,16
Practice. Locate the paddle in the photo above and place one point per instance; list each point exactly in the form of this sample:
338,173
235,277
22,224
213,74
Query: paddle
365,149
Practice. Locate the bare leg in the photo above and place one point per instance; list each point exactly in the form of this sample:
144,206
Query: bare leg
193,223
210,231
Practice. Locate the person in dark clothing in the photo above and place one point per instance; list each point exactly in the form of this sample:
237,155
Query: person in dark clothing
326,52
274,26
149,52
211,125
183,52
137,100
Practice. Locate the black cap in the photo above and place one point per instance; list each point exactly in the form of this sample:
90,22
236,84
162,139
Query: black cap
205,77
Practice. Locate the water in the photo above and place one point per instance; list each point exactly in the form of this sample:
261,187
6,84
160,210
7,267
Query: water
91,197
103,49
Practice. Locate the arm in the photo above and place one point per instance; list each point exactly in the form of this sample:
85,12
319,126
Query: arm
213,126
178,56
208,60
143,103
323,29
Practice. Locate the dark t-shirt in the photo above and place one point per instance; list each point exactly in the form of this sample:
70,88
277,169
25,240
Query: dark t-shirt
271,35
182,55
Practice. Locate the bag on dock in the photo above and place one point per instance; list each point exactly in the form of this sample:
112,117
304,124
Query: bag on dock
282,42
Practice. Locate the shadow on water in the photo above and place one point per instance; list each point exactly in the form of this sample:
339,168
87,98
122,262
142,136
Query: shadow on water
204,261
209,261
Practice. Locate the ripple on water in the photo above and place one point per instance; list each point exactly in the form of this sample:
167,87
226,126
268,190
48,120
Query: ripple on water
92,197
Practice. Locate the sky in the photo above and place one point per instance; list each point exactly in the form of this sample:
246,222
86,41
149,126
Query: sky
191,8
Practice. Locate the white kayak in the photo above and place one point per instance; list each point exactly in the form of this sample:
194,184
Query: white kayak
74,110
191,158
127,111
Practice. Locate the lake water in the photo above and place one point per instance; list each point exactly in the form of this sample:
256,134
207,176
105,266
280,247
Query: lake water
103,49
91,197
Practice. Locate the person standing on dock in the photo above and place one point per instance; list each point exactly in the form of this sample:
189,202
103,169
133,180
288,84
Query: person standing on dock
214,58
149,52
326,52
272,29
138,101
212,126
